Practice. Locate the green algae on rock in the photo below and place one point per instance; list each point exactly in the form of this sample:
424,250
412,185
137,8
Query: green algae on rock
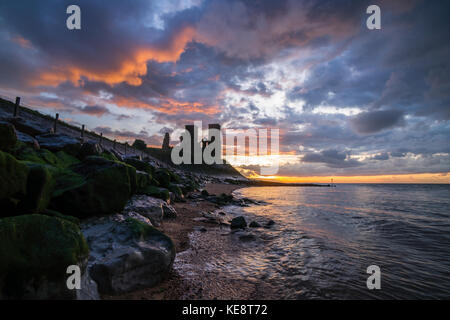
35,251
13,177
106,188
8,136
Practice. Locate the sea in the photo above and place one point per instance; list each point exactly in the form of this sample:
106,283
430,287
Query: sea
325,238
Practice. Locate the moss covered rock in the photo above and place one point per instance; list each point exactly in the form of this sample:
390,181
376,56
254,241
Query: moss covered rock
8,137
35,251
13,177
97,187
163,177
156,192
176,190
141,165
40,185
59,159
143,179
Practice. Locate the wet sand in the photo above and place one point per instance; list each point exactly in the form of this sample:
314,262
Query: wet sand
195,242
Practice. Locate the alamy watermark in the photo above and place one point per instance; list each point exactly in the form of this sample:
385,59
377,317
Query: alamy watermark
374,280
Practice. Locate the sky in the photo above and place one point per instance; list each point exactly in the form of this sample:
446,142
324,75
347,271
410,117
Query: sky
352,104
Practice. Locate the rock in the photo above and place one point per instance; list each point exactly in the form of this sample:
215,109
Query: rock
32,128
247,237
89,148
154,209
59,159
141,165
97,186
59,142
204,193
269,224
254,224
35,251
176,191
117,154
40,186
143,179
13,177
8,136
163,177
155,192
28,140
126,254
238,223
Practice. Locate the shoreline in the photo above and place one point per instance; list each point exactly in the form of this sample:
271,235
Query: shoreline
180,230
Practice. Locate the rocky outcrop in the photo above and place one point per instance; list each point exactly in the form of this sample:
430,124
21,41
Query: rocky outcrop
126,254
35,251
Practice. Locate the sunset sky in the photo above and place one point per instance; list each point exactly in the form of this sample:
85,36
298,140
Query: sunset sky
352,104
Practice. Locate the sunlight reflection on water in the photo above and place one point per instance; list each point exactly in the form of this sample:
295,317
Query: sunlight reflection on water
325,238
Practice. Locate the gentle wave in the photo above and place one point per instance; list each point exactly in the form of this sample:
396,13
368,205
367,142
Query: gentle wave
325,238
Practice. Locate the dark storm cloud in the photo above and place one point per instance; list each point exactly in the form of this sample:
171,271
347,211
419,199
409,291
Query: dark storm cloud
332,158
95,110
375,121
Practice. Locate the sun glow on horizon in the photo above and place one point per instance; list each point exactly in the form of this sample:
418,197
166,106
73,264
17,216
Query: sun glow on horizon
438,178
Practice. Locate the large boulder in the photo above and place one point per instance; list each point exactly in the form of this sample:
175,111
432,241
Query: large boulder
59,142
40,186
97,187
152,208
126,254
35,251
13,180
8,136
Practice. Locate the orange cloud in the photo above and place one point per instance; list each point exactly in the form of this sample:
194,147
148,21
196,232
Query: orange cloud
24,43
167,106
130,71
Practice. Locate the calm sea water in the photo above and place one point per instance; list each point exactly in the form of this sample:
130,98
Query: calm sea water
325,238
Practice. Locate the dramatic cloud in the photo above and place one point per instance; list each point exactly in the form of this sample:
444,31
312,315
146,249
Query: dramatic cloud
375,121
347,100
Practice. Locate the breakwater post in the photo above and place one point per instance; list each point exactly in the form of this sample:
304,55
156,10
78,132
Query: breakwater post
16,107
55,122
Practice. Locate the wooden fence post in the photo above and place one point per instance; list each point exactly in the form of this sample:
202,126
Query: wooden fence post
82,131
16,107
54,123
